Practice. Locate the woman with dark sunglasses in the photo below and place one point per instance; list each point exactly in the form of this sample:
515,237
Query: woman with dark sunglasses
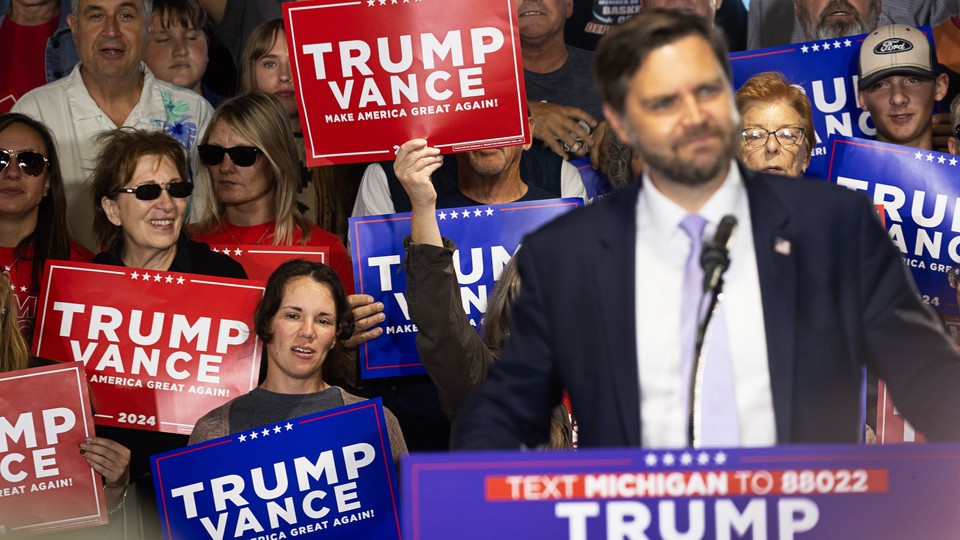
140,187
33,221
249,182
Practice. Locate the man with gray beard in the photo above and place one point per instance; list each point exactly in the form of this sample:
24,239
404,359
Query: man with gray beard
780,22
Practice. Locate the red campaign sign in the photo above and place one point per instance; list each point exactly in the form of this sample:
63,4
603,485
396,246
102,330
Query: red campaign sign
449,72
892,427
161,349
45,484
260,261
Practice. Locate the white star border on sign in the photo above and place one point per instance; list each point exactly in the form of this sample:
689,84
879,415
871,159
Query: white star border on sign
826,46
264,432
464,213
687,458
158,277
945,160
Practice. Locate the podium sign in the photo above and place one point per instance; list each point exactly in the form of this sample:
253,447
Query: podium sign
824,492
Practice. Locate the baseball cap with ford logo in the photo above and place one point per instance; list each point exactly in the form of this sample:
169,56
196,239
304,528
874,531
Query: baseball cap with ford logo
896,49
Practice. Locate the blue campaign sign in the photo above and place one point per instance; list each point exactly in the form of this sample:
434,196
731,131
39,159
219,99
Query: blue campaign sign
827,72
918,190
325,475
486,238
824,492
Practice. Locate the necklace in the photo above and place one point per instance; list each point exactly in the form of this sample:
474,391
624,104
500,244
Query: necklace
268,230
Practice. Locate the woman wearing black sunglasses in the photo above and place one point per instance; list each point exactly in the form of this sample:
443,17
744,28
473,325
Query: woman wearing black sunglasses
249,182
33,221
140,189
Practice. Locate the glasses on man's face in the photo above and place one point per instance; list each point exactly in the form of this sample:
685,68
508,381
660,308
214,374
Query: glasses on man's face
30,162
786,136
241,156
150,192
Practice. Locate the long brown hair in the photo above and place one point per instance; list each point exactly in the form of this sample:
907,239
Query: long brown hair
50,238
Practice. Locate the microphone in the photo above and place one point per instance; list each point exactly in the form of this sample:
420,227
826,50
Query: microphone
715,257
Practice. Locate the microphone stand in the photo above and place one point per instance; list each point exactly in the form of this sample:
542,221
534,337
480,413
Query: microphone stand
715,259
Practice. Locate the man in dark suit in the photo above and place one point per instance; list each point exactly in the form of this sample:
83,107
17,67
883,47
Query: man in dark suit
815,290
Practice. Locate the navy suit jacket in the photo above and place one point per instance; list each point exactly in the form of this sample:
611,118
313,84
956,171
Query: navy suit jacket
840,299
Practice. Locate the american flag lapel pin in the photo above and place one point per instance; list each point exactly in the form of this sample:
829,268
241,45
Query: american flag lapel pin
781,246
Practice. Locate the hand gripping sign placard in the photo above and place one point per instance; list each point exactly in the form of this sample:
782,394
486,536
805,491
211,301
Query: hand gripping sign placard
160,348
823,492
827,72
45,484
371,74
486,238
327,475
260,261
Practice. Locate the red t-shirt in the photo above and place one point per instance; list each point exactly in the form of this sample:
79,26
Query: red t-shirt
21,281
23,49
236,235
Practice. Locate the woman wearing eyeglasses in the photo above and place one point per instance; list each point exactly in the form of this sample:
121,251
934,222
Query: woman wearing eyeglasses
33,221
140,187
251,167
777,125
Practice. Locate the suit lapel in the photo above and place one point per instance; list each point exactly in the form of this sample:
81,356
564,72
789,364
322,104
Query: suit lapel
776,245
615,278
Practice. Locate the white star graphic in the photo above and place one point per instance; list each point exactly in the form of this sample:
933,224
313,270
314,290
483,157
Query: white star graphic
686,458
215,250
720,458
393,1
650,460
253,435
847,43
266,432
23,289
276,429
145,276
668,459
815,47
453,215
703,458
180,280
836,44
918,155
383,2
289,426
941,160
929,157
804,49
135,275
477,213
169,279
406,1
953,162
465,214
13,287
157,277
237,251
826,46
489,211
370,3
442,214
243,438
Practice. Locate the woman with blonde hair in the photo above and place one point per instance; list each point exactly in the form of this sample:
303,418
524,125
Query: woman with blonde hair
249,182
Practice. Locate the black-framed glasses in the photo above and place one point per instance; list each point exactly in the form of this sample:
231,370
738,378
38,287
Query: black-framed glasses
786,136
30,162
241,156
149,192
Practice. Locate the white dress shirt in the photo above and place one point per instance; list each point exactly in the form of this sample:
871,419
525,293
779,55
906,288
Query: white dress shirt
661,253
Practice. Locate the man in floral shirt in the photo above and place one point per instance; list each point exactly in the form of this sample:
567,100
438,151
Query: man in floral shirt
111,87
